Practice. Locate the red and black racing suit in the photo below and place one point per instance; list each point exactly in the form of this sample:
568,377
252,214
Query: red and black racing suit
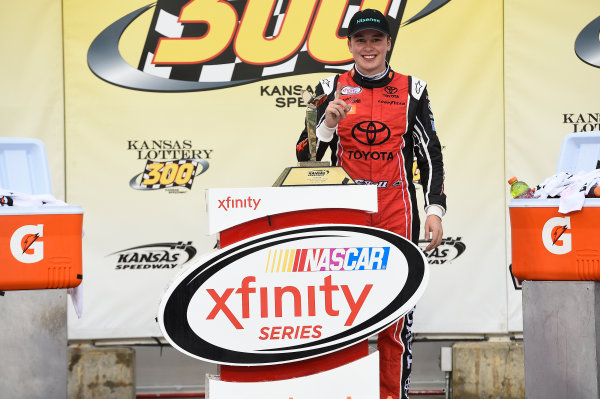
390,125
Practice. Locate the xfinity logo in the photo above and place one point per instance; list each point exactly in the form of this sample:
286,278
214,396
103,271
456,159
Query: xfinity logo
236,203
25,243
304,302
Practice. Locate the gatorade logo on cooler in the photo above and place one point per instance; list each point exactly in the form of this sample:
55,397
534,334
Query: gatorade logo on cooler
26,245
556,236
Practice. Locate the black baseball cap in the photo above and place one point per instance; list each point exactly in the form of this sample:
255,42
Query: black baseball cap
368,19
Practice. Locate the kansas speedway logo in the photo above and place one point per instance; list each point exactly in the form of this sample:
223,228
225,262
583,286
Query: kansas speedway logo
212,44
160,256
449,249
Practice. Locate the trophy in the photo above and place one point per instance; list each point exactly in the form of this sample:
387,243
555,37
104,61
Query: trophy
313,172
311,127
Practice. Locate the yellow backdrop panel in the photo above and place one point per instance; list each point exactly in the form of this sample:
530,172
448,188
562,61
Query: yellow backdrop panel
31,104
244,136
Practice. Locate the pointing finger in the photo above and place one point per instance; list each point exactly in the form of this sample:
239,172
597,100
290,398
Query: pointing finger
338,92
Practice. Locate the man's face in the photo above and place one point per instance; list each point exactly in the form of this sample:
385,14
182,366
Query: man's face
369,48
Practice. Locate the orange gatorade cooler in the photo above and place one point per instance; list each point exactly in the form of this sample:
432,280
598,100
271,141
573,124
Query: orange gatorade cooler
41,247
548,245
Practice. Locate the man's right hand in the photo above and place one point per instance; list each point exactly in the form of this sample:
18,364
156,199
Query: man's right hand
336,110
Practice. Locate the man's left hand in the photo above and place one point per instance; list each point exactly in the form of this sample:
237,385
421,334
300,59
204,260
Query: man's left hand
433,231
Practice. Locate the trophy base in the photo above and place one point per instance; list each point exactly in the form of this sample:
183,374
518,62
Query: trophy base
316,164
313,173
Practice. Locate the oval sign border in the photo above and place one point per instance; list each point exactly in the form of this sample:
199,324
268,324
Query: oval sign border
175,327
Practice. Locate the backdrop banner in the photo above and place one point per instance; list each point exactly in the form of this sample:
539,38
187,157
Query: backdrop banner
159,109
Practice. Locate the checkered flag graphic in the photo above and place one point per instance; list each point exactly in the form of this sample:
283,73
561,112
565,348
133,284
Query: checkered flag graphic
188,184
227,67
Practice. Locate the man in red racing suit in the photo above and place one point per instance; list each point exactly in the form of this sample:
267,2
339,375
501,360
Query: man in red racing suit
376,123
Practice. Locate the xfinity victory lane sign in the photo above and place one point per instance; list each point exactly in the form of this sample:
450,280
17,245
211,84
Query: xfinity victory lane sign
292,294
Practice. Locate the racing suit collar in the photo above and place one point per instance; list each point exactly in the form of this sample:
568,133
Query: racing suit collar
369,83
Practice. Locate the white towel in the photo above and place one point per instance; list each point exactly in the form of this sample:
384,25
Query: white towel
573,196
553,186
13,198
571,199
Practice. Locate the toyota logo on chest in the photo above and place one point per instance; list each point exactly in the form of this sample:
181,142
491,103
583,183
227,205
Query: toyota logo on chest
371,133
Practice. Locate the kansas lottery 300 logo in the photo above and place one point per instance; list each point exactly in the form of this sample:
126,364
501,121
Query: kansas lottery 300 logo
210,44
170,164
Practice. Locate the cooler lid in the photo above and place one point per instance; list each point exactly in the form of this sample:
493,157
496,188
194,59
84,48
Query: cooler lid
579,152
24,166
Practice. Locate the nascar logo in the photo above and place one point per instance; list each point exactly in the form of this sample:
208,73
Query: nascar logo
210,44
327,259
281,297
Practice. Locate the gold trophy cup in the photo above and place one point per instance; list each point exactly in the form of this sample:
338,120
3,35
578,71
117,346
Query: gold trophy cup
313,172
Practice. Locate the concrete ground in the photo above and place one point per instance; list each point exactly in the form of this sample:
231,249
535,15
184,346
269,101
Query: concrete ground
162,370
481,369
